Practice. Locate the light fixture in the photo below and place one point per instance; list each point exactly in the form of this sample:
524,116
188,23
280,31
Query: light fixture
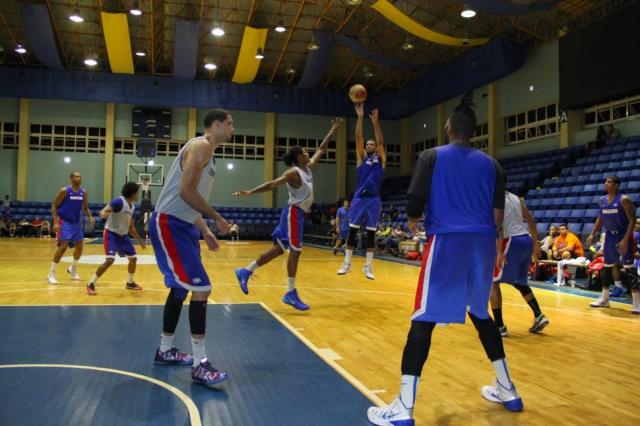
75,16
230,166
210,66
313,44
259,54
20,49
140,53
531,88
367,72
67,160
151,163
468,13
354,2
424,125
91,62
135,10
290,70
217,30
280,27
407,45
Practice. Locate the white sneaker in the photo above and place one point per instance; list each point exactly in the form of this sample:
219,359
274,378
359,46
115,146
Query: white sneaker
635,309
600,303
346,267
506,396
395,414
52,278
73,273
368,272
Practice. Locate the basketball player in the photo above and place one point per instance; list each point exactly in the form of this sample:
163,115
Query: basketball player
618,216
65,214
460,192
145,205
174,228
366,205
342,225
288,233
119,216
519,245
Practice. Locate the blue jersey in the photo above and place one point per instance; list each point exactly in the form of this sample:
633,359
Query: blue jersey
69,208
612,215
370,174
456,188
343,216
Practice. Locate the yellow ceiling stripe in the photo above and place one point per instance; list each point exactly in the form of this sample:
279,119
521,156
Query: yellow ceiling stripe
116,36
247,64
390,12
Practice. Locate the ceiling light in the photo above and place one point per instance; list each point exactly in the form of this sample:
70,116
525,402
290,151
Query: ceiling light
217,30
140,53
280,27
368,74
135,10
75,16
354,2
407,45
20,49
468,13
259,54
291,70
210,66
90,62
313,44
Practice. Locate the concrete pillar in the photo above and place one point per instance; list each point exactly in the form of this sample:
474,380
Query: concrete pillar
496,123
570,123
440,122
341,160
269,154
110,123
405,148
24,135
191,124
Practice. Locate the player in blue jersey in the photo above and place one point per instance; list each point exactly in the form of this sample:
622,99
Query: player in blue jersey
618,216
366,205
65,213
460,193
342,225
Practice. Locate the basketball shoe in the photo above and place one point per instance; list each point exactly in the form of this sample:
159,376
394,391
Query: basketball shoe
74,274
346,267
600,303
507,396
616,292
173,356
395,414
243,276
368,272
52,278
91,289
503,331
132,286
539,324
292,298
206,374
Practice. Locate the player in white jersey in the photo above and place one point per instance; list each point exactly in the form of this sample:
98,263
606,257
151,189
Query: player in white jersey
119,215
288,233
174,229
520,243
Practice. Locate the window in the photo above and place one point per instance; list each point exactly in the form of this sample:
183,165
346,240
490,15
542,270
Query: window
283,144
46,137
417,148
480,139
612,112
535,123
9,135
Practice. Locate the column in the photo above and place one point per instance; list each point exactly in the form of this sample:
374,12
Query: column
440,122
570,123
191,124
269,154
23,150
496,123
341,160
110,124
405,148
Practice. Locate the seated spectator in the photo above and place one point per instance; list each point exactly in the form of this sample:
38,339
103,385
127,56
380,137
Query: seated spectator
234,231
45,230
397,236
4,228
394,212
546,244
567,245
36,227
382,233
6,203
24,228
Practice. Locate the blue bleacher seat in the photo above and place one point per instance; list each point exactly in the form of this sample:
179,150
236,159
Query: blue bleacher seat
634,186
575,227
590,188
538,214
587,227
542,228
571,201
577,214
623,174
635,173
550,214
591,214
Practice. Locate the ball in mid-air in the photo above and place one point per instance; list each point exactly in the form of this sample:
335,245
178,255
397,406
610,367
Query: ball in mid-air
357,93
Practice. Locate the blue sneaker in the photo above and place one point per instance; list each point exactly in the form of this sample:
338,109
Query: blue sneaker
206,375
243,276
292,298
616,292
506,396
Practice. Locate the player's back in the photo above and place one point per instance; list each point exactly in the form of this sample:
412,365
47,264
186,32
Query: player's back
514,224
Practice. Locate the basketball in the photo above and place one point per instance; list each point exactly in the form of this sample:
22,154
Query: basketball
358,93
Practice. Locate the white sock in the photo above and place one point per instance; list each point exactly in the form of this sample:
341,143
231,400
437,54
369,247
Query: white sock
74,264
166,342
408,390
502,372
635,295
197,343
369,258
292,283
130,279
347,255
53,268
605,292
618,284
253,266
94,279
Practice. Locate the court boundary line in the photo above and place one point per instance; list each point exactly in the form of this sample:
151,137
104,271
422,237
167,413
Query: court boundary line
192,409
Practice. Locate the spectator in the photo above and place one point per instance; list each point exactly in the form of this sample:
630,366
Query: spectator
234,231
36,227
612,132
601,136
6,203
394,212
567,245
45,230
4,228
24,228
546,244
382,234
397,236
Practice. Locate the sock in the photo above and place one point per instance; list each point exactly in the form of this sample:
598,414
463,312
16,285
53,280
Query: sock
347,255
252,266
618,284
74,264
502,372
94,279
130,279
369,258
535,307
408,390
497,317
605,293
166,342
292,283
53,268
197,343
635,295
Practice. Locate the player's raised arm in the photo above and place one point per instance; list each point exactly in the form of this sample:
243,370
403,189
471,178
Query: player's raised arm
379,137
359,133
290,176
322,149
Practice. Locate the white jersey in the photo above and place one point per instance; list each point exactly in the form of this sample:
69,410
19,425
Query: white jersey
303,195
118,222
514,224
170,201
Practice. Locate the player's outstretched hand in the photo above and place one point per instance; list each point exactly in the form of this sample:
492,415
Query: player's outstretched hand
223,226
335,123
374,116
212,241
241,193
360,109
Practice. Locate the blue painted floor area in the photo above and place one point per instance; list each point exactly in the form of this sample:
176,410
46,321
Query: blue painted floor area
274,377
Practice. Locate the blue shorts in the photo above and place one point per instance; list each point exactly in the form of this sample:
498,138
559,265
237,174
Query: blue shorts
517,255
344,233
71,232
177,247
365,211
611,254
455,277
288,233
116,243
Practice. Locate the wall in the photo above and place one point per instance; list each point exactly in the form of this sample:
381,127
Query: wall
422,125
8,172
68,113
245,122
9,110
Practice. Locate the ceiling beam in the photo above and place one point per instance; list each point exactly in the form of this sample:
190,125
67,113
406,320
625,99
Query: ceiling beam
11,36
286,44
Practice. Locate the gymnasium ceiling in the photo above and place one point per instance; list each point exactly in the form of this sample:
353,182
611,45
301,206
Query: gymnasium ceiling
285,53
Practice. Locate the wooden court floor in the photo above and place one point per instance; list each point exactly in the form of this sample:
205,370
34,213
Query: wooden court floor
584,369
